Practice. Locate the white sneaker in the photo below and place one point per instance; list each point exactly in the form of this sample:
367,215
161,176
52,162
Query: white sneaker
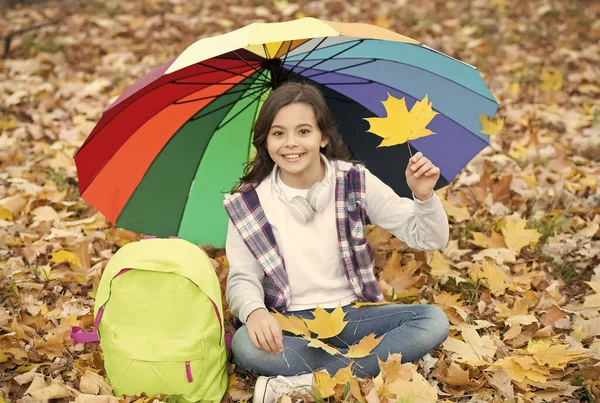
269,389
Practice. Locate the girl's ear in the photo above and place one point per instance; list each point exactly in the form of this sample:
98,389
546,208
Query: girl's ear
324,142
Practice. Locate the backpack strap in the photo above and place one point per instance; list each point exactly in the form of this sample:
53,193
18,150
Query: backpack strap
79,335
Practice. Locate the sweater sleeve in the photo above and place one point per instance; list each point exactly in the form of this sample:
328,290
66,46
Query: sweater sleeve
420,224
244,290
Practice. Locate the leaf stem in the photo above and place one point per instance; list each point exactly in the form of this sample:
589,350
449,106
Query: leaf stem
409,149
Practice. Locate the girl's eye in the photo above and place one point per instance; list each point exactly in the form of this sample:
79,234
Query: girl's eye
304,131
277,133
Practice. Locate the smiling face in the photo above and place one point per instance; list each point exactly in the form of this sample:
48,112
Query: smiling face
294,143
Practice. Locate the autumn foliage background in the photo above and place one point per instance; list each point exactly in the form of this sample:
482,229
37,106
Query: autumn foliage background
519,280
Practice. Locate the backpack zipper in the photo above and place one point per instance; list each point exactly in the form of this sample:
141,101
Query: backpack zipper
188,371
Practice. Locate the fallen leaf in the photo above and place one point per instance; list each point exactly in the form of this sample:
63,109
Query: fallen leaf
65,256
44,392
474,350
490,125
94,384
516,236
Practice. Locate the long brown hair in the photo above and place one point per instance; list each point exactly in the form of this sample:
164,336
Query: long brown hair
290,92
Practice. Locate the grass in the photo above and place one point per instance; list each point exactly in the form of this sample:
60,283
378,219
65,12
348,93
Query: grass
548,224
470,290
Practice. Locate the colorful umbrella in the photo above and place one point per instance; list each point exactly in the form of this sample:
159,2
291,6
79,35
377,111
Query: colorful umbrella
163,154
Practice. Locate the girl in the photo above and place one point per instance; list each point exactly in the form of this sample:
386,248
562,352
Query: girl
296,240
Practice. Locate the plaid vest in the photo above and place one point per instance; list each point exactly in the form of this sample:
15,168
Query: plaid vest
248,217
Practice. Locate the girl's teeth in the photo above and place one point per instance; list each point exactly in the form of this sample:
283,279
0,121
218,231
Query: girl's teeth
291,157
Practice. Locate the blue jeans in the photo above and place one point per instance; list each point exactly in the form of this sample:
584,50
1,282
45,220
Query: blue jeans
412,330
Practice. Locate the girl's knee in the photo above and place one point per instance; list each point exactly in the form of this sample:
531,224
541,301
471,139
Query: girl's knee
439,323
242,348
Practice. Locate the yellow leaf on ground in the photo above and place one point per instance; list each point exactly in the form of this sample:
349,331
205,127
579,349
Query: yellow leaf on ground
459,214
65,256
395,278
516,236
440,266
417,389
490,125
315,343
94,384
551,80
519,368
292,324
325,324
400,125
555,356
326,384
521,320
474,350
492,276
364,347
43,392
6,214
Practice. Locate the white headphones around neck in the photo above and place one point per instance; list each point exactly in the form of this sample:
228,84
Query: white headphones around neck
304,209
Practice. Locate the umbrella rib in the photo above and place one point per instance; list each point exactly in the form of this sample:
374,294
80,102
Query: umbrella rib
218,69
337,44
410,95
287,53
230,103
260,71
221,125
210,96
405,64
305,56
332,57
341,68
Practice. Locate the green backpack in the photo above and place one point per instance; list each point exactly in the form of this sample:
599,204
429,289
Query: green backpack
159,321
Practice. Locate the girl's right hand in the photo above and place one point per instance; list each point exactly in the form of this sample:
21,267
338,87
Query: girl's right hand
264,331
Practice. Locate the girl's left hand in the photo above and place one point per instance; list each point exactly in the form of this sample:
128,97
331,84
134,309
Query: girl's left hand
421,176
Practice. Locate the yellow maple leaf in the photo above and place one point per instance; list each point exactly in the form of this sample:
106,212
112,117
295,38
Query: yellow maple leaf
519,368
392,368
292,324
326,384
459,214
315,343
325,324
492,276
6,214
439,264
490,125
65,256
417,389
400,125
516,236
364,347
551,80
474,350
395,278
555,356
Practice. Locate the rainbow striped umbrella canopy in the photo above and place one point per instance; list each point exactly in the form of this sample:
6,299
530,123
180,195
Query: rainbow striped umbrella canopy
162,155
